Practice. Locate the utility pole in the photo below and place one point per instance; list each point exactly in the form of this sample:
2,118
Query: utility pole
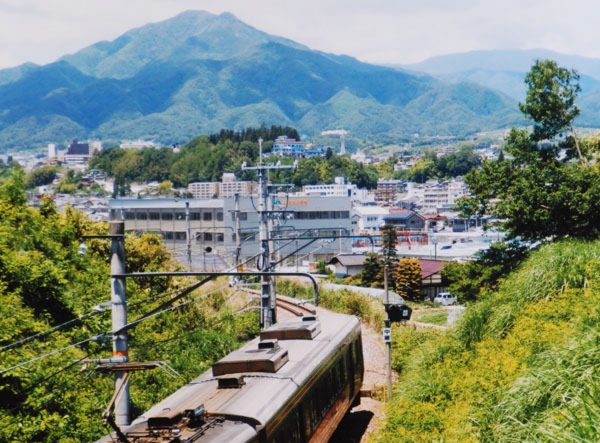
267,311
271,265
188,235
387,335
238,240
116,232
268,296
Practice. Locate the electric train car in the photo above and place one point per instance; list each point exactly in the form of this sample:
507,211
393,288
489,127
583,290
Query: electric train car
293,384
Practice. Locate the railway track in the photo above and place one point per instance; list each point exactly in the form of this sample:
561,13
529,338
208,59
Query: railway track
293,306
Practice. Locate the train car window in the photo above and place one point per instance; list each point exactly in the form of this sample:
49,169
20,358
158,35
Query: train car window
349,366
339,373
359,352
290,430
356,352
313,411
296,427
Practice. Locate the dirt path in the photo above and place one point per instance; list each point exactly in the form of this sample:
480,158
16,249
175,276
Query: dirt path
364,419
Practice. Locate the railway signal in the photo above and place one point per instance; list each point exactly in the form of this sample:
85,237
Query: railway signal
398,313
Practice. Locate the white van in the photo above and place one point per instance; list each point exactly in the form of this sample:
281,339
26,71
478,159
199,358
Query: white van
445,299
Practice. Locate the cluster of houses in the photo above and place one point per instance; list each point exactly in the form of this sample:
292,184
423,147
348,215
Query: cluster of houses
336,222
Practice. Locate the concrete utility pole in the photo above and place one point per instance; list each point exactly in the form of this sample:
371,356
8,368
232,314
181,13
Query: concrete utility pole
387,335
116,232
238,240
188,235
265,264
268,313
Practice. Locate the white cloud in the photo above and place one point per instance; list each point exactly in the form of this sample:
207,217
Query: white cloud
378,31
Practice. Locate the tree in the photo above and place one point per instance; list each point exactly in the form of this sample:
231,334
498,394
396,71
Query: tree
372,269
385,169
41,176
389,255
408,278
458,163
540,193
70,182
165,188
51,319
423,170
550,103
475,277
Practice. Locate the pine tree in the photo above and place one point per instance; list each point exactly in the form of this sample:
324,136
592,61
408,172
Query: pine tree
372,269
389,255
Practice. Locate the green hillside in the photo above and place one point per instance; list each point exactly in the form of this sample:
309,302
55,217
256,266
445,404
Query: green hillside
521,365
198,72
55,314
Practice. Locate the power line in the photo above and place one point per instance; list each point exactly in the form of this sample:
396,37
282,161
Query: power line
172,308
208,325
36,383
97,309
152,314
50,354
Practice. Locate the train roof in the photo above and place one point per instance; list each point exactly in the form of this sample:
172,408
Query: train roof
253,391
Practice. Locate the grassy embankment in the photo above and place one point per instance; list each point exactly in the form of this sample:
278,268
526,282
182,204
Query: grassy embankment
521,365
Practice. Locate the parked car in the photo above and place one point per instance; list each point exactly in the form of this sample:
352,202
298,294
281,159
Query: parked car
445,299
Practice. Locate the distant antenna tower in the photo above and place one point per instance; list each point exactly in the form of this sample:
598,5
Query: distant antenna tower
342,133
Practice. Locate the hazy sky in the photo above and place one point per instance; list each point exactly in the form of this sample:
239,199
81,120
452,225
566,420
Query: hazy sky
376,31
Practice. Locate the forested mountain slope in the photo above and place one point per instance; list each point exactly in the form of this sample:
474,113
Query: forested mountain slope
198,73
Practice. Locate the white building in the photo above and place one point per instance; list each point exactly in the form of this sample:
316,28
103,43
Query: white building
52,152
337,189
138,144
442,195
368,218
204,190
304,228
228,187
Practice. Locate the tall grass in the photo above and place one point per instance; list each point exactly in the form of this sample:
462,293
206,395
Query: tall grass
559,398
521,365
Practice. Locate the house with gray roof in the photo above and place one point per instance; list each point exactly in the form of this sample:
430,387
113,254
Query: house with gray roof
347,264
405,220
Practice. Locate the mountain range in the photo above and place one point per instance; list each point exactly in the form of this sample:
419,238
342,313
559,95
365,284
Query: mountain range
197,73
505,70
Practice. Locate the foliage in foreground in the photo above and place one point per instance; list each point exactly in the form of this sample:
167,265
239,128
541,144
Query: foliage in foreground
520,365
50,321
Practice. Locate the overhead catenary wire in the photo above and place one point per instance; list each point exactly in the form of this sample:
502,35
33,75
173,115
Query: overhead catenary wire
160,309
49,354
48,378
246,308
81,378
96,337
153,313
97,310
